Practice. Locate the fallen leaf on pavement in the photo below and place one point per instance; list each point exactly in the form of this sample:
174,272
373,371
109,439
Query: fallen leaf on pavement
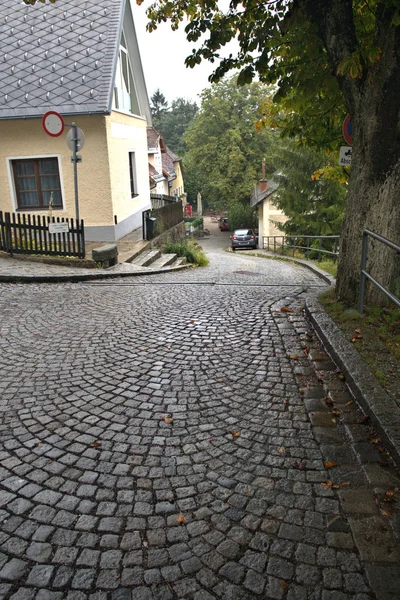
95,444
385,513
330,464
235,434
283,585
286,309
281,450
180,519
167,420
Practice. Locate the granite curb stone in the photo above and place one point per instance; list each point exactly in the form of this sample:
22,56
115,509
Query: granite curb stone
382,410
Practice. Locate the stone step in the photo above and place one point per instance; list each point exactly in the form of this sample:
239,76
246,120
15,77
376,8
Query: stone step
146,259
129,254
165,260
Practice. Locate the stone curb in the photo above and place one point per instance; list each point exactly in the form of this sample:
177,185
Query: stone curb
382,410
72,277
312,267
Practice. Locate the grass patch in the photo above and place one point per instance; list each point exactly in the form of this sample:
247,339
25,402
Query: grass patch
188,249
376,336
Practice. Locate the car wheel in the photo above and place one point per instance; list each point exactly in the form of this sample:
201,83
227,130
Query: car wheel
233,249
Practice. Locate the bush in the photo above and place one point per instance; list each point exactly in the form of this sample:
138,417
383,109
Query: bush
190,250
241,216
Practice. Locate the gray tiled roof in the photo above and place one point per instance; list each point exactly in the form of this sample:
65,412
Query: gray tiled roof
58,56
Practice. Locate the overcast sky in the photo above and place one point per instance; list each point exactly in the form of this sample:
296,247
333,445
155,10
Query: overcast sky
163,53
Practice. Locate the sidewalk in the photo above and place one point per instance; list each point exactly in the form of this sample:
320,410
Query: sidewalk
27,269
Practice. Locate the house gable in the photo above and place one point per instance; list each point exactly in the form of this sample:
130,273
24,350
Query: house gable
64,57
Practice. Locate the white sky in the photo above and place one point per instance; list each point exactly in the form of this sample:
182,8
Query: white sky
163,53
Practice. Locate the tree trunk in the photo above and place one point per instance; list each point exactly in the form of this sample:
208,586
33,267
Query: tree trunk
373,100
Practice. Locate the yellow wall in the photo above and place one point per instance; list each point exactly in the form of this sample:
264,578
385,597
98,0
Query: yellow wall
25,138
271,214
177,183
126,134
103,175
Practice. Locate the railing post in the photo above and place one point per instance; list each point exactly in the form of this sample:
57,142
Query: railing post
364,256
319,248
307,246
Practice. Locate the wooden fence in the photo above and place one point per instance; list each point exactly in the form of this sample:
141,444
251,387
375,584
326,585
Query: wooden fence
35,234
158,220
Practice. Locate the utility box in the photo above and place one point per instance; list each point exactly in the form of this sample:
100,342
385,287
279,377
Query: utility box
151,224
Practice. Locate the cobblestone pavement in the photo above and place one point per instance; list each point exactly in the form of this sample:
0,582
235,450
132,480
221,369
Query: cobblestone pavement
186,437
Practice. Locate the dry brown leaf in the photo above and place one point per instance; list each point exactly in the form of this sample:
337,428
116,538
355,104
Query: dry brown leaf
385,513
336,412
95,444
235,434
341,376
327,484
349,403
334,421
330,464
293,357
180,519
37,444
167,420
364,419
286,309
329,401
345,483
306,350
281,450
283,584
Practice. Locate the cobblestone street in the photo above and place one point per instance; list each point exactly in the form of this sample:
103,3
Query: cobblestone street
184,436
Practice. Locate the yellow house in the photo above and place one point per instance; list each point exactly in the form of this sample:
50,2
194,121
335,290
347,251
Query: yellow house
269,215
80,60
172,167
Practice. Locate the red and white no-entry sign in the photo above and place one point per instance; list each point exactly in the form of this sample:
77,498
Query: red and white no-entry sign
53,123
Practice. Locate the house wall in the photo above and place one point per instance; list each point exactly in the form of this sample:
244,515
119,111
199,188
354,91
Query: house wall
268,215
126,134
105,202
177,183
26,138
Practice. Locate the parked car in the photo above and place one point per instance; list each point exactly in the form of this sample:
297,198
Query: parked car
223,224
244,238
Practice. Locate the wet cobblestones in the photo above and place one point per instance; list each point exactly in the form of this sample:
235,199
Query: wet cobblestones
169,439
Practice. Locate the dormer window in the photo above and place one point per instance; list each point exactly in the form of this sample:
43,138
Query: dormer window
125,97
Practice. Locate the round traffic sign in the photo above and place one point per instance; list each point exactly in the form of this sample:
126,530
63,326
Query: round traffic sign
81,139
53,123
347,130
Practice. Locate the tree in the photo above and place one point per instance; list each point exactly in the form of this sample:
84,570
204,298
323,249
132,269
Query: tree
158,106
313,200
174,122
224,144
341,52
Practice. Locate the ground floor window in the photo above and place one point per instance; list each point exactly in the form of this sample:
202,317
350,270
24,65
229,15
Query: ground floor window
36,181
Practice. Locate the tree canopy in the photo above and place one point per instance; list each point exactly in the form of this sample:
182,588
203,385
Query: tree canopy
174,121
326,58
223,144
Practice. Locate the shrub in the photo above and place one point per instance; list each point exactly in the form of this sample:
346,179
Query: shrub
190,250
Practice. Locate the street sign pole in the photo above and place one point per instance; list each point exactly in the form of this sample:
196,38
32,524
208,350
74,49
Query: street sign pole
75,161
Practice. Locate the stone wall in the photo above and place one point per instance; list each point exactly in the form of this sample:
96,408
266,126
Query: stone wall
176,234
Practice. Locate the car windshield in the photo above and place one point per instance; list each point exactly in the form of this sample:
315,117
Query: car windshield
243,232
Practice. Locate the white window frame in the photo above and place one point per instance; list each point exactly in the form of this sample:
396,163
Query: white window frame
14,199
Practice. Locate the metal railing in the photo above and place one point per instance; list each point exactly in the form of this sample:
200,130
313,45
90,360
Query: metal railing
365,275
302,242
